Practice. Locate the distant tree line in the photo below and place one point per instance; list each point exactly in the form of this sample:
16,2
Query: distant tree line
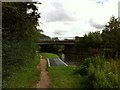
105,43
19,35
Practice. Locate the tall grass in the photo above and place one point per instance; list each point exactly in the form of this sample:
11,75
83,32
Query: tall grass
63,77
97,72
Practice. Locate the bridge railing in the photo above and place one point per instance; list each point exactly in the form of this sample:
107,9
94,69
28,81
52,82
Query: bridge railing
56,38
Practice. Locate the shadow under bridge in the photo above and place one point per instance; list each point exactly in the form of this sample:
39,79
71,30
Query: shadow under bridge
69,43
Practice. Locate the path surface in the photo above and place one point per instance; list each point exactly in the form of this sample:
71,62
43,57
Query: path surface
44,78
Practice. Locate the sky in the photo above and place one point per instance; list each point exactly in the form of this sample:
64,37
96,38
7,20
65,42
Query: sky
70,18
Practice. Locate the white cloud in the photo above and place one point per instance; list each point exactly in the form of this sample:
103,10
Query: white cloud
75,17
95,25
60,32
57,15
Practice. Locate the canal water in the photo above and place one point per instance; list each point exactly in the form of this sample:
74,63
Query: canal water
72,59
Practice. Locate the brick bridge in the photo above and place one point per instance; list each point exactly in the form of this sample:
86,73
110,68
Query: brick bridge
68,42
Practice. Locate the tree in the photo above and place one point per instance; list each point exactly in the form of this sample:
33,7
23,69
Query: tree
19,35
110,36
90,42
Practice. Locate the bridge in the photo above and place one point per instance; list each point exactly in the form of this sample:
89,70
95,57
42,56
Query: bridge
68,42
58,41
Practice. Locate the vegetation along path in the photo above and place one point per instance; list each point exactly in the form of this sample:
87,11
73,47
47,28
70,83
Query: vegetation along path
44,79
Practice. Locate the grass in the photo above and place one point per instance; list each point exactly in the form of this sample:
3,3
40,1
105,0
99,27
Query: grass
25,77
94,72
49,55
63,77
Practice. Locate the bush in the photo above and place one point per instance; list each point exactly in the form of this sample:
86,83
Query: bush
99,72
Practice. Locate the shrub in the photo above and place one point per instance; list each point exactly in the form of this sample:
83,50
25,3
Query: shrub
99,72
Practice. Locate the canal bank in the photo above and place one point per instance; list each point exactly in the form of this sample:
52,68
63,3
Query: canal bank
61,76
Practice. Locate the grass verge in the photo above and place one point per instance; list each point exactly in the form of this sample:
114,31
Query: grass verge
49,55
63,77
25,77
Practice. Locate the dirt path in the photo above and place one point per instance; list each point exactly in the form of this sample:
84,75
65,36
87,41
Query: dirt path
44,78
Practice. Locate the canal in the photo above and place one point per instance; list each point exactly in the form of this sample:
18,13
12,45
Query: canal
73,59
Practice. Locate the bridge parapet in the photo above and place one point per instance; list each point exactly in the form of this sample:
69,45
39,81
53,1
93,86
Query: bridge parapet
56,38
60,42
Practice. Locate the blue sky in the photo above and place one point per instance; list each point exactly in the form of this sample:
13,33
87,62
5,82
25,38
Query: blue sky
70,18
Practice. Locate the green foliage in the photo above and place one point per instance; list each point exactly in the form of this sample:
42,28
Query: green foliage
25,77
90,43
99,73
93,39
63,77
49,55
19,35
110,36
